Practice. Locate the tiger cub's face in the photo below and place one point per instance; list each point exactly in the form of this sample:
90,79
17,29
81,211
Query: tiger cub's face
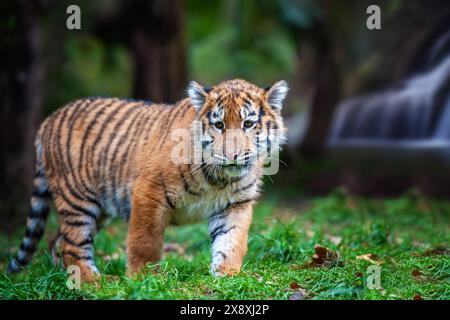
241,125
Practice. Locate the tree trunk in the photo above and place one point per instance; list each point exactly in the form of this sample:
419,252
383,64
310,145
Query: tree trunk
158,45
20,73
324,102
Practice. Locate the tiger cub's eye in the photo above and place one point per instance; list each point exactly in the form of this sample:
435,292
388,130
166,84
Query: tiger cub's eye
248,124
219,125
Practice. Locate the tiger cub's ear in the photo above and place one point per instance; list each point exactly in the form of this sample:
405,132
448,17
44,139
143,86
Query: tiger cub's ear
198,94
276,94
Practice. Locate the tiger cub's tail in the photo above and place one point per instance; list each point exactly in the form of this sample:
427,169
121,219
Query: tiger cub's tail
37,216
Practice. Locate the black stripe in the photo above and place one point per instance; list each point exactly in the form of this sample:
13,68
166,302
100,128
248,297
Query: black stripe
77,223
70,124
163,129
127,155
39,214
217,229
257,143
39,173
269,143
100,133
185,110
76,256
35,234
80,197
152,123
166,129
137,139
220,232
168,200
57,141
221,253
116,178
76,207
82,243
212,180
68,213
246,187
48,136
102,160
22,262
186,186
261,114
61,163
31,247
87,131
44,194
220,213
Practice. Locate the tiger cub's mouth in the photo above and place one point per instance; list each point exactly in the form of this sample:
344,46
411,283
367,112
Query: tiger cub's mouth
236,169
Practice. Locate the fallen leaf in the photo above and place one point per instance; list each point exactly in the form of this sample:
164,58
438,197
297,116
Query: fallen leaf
417,297
324,257
416,273
370,257
298,295
359,275
437,251
113,231
294,286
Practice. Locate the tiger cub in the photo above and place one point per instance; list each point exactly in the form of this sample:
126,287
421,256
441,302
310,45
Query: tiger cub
101,157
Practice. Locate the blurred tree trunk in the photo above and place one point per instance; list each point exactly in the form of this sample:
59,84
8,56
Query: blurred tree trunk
158,44
154,31
20,73
324,101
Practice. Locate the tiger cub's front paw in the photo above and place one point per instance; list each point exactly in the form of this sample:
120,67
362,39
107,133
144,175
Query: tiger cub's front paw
224,266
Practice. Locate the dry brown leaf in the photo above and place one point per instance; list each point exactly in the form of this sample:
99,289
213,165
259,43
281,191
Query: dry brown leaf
294,286
417,297
324,257
113,231
437,251
370,257
416,273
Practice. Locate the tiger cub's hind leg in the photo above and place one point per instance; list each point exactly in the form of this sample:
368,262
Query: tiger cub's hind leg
75,239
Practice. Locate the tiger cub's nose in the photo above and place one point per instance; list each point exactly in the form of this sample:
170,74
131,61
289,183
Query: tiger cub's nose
231,157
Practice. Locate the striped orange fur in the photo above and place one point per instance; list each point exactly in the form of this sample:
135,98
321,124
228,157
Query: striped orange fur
100,157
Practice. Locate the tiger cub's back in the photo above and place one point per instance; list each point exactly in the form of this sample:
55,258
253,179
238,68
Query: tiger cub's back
90,148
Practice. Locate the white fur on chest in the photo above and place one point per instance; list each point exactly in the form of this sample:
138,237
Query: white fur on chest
193,208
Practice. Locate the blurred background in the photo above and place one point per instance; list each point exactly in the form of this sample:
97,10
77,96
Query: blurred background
368,110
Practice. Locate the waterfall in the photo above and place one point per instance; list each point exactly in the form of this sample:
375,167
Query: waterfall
408,122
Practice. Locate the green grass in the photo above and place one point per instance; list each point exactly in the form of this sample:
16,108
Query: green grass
401,232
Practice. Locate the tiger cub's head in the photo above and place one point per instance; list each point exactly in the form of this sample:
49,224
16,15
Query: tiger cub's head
241,123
